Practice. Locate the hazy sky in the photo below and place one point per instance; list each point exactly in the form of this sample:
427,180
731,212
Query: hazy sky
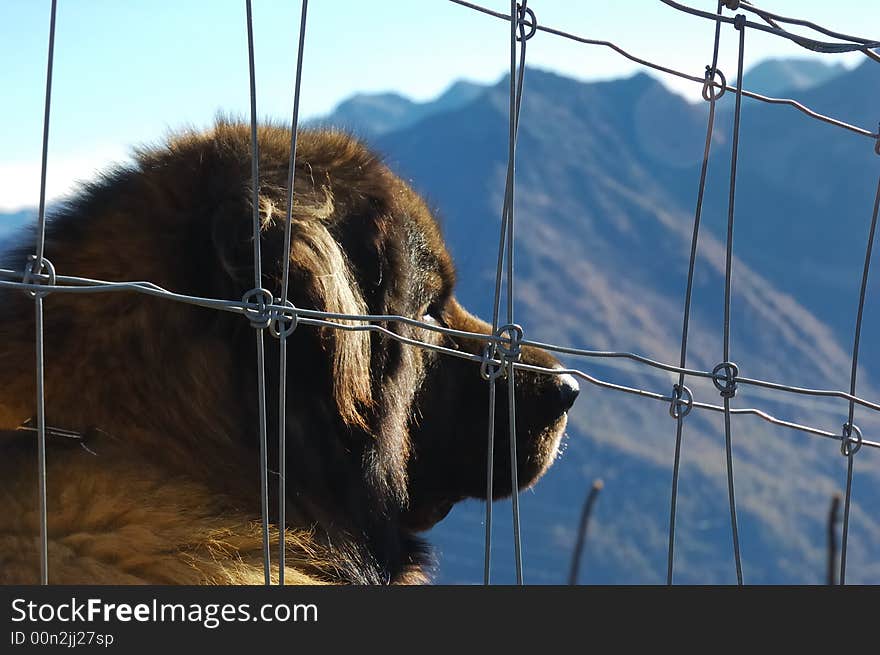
128,70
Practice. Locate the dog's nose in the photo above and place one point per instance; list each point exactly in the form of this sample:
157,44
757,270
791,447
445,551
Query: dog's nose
568,390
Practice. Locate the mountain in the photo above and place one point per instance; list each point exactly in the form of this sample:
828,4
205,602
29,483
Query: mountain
374,114
820,181
781,77
607,179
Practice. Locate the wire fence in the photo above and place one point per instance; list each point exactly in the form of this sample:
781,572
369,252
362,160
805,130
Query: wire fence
502,348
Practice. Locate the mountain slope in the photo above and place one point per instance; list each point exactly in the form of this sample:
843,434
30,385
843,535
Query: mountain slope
818,182
371,115
780,77
604,214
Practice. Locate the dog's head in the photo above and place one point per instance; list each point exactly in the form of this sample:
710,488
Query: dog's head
378,431
369,244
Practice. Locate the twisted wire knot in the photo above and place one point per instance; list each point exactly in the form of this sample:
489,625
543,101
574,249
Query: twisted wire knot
709,92
849,444
283,323
682,401
510,344
507,347
523,11
33,272
733,5
739,22
257,302
724,378
490,368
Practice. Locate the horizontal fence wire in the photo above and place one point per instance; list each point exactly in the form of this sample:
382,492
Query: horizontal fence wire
370,322
38,278
685,76
76,284
857,43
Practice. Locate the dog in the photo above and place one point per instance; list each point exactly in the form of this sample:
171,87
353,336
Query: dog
162,484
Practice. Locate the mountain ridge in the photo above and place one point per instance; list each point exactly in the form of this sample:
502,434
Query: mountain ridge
572,192
606,183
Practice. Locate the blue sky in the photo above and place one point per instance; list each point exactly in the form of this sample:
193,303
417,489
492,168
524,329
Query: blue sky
126,71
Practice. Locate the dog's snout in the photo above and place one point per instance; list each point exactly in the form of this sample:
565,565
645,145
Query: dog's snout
568,390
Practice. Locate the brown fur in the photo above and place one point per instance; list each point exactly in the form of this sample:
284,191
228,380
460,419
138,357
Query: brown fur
382,438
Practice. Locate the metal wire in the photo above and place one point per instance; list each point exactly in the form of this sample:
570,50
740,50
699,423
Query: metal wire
511,381
729,389
810,44
496,305
90,285
41,444
506,242
710,94
37,264
258,276
771,18
850,451
504,343
685,76
332,320
284,332
599,354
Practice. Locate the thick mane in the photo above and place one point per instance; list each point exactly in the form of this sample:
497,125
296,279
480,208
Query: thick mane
381,438
188,374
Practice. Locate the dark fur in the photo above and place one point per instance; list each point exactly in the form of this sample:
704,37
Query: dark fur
382,438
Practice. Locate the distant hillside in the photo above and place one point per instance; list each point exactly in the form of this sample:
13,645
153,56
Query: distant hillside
372,115
779,77
606,181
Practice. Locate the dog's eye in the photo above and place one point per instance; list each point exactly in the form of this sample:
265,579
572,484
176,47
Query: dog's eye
434,315
433,319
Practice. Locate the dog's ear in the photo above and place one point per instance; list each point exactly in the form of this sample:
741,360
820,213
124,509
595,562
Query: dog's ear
324,281
320,279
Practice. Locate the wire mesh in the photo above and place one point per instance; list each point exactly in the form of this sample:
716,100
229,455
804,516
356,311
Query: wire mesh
500,357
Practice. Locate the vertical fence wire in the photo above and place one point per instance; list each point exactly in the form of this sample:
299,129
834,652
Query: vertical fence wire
281,324
41,443
850,444
36,266
678,412
511,377
258,277
283,329
41,216
730,387
490,463
492,373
